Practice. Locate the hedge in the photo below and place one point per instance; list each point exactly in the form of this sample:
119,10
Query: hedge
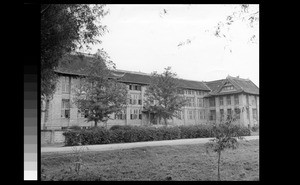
126,134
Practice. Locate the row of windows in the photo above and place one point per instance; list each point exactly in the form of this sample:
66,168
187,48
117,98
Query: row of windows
212,102
135,87
192,103
136,113
196,114
135,99
227,88
194,92
212,115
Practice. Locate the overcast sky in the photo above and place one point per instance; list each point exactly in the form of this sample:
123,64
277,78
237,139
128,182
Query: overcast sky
145,38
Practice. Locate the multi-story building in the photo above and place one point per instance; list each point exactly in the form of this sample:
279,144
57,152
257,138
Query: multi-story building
208,101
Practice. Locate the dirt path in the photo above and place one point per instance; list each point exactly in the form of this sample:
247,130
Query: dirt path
105,147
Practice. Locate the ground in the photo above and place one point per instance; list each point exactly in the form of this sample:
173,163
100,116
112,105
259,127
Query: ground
181,162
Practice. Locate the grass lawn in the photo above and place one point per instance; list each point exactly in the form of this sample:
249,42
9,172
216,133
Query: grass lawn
181,163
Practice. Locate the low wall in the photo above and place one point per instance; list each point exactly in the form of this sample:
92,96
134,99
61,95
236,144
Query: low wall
52,136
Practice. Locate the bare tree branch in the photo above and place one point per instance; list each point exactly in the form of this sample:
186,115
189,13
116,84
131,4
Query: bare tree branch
45,9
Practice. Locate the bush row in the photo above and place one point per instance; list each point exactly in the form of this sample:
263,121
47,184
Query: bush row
126,134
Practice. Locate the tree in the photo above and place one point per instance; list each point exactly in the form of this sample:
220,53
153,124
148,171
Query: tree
65,28
99,94
246,14
164,91
224,134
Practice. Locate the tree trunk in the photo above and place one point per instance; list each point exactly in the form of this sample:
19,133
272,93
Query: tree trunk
219,157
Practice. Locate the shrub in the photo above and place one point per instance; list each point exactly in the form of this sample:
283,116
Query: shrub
96,135
196,131
255,128
126,134
75,127
167,133
243,131
124,127
72,137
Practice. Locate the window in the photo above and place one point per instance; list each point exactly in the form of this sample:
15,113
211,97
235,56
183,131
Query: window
130,87
65,108
121,115
140,100
222,114
180,91
134,114
212,102
140,114
254,112
248,113
182,115
202,115
200,102
247,99
228,88
253,102
65,84
228,100
221,100
83,114
212,115
190,114
229,114
237,112
236,99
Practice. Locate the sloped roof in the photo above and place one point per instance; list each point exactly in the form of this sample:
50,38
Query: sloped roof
240,84
190,84
74,64
79,66
246,85
214,85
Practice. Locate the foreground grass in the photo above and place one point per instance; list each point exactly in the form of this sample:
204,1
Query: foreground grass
181,162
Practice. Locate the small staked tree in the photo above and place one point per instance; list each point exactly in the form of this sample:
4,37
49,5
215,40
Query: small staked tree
99,94
226,135
163,96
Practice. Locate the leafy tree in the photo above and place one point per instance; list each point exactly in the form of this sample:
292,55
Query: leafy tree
99,94
65,28
226,134
164,91
246,14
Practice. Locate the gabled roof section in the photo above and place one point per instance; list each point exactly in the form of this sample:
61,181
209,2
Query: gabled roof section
240,85
246,85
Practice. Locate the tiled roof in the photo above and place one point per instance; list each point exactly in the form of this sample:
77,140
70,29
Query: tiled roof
74,65
246,85
79,65
240,84
214,85
189,84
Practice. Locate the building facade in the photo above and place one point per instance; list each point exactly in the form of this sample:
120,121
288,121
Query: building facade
207,101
